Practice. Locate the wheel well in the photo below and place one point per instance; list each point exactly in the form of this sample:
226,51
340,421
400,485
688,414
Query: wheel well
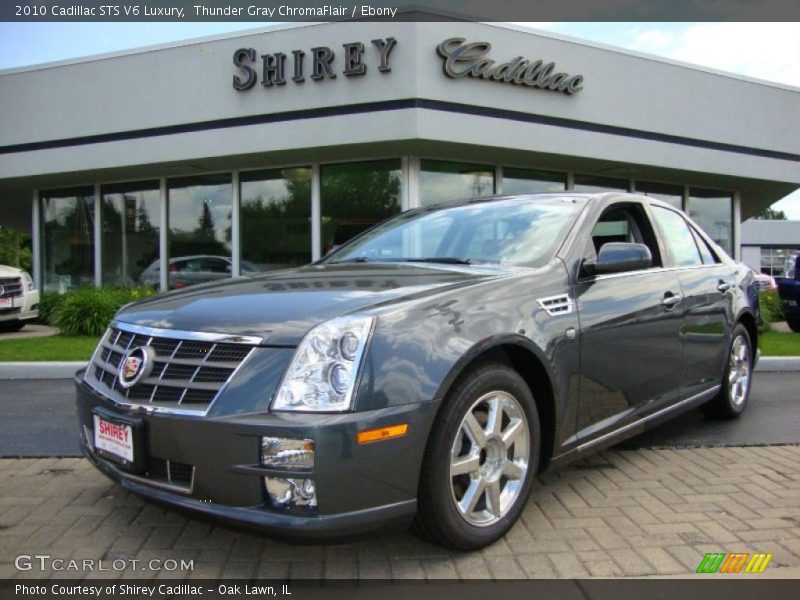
530,368
749,322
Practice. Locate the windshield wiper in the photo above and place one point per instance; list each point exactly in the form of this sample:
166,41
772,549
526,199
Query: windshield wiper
355,259
445,260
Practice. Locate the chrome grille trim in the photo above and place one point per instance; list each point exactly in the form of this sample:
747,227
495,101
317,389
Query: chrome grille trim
186,386
11,287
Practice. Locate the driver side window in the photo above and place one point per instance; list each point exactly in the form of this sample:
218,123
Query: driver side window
623,223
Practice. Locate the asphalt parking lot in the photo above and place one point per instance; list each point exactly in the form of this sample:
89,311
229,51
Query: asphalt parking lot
651,507
37,419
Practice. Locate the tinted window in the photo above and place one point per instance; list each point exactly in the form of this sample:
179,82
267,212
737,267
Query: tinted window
216,265
705,251
677,237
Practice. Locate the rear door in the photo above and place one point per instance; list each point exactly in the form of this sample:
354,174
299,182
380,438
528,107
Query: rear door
708,295
629,329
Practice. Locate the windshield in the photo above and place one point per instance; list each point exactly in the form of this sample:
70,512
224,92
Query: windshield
514,232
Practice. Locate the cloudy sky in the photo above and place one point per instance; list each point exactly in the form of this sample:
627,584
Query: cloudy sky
769,51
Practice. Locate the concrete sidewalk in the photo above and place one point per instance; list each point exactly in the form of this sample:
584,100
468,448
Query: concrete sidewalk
643,513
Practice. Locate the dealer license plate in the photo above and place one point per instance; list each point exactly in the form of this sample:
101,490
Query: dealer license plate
6,302
114,440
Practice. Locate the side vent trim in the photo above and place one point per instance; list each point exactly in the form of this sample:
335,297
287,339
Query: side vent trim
557,305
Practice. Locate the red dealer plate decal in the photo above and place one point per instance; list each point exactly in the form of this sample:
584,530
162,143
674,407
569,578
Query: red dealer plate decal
113,438
6,302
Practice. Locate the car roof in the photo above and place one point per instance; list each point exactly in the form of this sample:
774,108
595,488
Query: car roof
593,197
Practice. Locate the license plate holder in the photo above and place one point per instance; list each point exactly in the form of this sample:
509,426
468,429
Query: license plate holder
119,440
6,303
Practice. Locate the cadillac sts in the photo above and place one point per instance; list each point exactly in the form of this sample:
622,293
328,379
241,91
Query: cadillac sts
425,372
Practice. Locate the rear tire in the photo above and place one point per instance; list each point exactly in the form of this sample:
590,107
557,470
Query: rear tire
480,460
737,381
9,326
793,323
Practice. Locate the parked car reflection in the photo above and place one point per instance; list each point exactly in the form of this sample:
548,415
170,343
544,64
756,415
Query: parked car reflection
191,270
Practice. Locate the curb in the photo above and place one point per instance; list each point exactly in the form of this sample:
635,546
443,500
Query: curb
39,370
778,364
65,370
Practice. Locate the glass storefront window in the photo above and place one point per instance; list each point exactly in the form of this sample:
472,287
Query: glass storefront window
777,261
67,239
200,211
275,218
356,196
595,183
529,181
667,192
131,220
713,211
441,181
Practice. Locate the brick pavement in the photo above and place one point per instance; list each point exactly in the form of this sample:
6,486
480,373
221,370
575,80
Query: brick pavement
616,514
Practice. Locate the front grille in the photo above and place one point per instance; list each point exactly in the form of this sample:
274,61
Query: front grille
159,471
170,472
10,287
187,374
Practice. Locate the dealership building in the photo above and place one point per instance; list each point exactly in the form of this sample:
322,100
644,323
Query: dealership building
263,150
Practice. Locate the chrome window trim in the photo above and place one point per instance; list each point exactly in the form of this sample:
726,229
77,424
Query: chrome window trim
652,270
227,338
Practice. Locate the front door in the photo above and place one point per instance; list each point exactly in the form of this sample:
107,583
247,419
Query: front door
629,331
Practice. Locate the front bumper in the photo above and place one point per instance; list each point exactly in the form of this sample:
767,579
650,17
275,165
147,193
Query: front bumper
23,308
360,488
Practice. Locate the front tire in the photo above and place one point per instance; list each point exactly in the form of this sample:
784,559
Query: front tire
735,392
10,326
793,323
481,458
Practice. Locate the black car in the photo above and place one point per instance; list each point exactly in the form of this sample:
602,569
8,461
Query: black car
427,371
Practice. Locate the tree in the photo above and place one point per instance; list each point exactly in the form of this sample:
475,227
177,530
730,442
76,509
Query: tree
205,225
15,249
771,214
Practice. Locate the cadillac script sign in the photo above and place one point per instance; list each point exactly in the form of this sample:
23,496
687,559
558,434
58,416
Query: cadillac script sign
462,59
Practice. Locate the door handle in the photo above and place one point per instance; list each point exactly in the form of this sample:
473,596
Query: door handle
723,286
671,299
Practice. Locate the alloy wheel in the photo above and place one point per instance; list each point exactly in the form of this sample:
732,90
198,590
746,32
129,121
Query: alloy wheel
739,370
489,458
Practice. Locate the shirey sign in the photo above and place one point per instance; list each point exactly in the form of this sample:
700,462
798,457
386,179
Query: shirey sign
461,59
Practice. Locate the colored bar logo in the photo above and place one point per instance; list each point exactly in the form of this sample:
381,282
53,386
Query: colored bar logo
722,562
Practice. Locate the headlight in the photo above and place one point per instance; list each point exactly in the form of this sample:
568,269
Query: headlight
322,374
28,281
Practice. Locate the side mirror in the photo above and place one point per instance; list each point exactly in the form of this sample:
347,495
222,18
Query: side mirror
619,257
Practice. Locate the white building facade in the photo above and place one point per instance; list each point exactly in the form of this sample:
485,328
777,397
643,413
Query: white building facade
267,149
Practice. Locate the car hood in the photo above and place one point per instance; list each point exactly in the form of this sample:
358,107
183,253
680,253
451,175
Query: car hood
10,271
281,307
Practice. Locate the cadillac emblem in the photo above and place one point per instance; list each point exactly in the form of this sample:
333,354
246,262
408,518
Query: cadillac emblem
135,366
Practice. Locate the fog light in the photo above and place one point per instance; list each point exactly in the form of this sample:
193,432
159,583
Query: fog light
287,453
291,493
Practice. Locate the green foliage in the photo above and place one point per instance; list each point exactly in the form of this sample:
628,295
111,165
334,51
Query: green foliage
88,311
771,214
771,308
48,303
15,249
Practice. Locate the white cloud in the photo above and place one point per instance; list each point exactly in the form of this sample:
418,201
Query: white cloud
653,40
769,51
